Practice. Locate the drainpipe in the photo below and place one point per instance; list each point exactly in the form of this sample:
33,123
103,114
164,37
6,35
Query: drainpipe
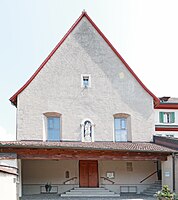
173,170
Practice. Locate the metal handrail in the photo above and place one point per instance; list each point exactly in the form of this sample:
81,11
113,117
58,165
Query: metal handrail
70,179
105,178
148,176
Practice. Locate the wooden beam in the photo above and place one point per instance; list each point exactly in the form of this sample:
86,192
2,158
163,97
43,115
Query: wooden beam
73,154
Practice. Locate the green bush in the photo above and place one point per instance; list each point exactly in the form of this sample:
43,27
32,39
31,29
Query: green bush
165,194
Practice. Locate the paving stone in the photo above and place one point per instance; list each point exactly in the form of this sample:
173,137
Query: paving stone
57,197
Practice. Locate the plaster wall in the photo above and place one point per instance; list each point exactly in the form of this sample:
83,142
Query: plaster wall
57,88
167,175
176,174
51,171
141,169
8,186
37,173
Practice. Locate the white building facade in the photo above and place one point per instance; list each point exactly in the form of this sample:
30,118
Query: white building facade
84,113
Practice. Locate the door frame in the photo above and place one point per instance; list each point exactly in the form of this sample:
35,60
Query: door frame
97,177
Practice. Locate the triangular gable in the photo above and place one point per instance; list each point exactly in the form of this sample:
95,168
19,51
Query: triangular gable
13,99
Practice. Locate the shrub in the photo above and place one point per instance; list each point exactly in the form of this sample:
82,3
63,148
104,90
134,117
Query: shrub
165,194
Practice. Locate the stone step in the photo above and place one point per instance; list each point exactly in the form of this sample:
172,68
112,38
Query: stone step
90,195
90,192
89,189
148,194
152,189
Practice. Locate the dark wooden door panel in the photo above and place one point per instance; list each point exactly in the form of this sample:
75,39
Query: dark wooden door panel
93,174
83,174
88,173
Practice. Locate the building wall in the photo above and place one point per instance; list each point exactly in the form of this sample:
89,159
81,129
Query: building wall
167,133
9,182
57,88
157,111
123,177
176,174
141,169
9,162
167,173
157,122
37,173
8,186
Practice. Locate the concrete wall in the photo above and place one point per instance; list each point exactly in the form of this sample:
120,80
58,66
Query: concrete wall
57,88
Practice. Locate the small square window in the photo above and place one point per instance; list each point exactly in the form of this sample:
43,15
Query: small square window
85,80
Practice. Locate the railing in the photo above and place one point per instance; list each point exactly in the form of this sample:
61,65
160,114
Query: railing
107,179
71,179
148,176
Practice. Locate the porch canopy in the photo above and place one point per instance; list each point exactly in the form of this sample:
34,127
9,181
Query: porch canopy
84,150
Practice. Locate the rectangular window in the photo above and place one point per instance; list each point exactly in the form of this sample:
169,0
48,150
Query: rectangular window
53,128
120,129
167,117
129,166
85,80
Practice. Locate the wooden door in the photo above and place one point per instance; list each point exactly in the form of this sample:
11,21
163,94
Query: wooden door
88,173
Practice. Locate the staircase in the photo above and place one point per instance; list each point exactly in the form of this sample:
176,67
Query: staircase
152,189
89,192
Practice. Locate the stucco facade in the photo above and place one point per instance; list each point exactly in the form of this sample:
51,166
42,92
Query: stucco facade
9,181
113,91
36,173
57,88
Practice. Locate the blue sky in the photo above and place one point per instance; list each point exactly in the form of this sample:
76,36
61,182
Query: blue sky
145,33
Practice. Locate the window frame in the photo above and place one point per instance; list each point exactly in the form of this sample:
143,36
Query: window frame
166,117
47,116
51,131
85,76
126,127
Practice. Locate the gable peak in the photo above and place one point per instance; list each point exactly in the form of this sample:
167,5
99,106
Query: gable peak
13,99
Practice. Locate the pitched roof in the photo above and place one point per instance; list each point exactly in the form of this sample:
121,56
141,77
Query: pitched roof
8,169
167,103
13,99
109,146
166,141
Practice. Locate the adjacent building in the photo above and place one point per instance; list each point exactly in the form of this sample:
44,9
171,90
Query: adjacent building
166,117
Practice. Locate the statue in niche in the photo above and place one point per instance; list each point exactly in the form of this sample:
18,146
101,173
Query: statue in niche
87,130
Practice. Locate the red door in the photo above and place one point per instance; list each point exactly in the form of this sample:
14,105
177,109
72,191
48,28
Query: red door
88,172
